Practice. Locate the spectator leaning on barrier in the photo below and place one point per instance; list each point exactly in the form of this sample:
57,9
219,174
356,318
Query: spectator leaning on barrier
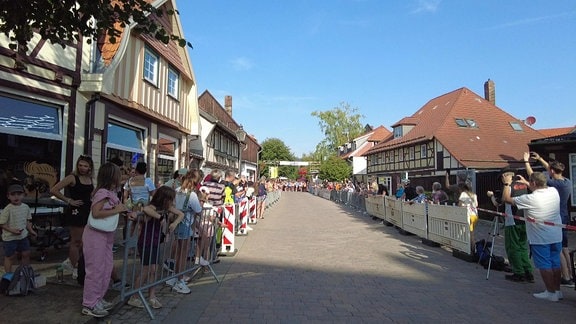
564,187
229,187
515,239
438,195
409,191
216,189
156,214
420,195
400,191
542,205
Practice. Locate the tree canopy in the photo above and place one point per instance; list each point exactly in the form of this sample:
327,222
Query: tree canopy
274,150
340,125
335,169
65,21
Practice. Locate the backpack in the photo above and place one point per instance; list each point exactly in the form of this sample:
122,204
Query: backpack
22,281
483,250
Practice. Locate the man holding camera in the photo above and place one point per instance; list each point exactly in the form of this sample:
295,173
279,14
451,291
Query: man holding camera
540,207
515,238
564,187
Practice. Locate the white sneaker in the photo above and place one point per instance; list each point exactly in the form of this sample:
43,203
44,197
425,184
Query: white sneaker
74,273
547,295
249,228
559,294
105,305
171,282
204,262
67,265
181,287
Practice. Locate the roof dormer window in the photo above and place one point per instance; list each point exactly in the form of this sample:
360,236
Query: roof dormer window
468,122
461,122
397,131
516,126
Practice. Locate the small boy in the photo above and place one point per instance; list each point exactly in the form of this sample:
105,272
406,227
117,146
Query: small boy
15,221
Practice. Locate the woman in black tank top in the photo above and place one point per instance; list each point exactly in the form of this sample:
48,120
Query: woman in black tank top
79,187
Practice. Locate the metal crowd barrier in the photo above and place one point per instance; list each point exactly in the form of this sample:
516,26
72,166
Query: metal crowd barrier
443,224
153,255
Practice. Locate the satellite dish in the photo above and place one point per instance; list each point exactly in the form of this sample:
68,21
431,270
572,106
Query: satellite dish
530,120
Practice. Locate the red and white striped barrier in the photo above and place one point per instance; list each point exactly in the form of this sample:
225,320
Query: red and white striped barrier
531,220
252,211
228,224
243,215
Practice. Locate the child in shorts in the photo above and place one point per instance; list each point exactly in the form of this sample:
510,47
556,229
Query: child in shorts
15,221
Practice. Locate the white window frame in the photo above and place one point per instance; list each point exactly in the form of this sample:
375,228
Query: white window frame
411,153
150,69
423,149
173,83
120,122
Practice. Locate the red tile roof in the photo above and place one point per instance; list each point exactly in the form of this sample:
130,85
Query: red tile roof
379,134
492,144
550,132
172,52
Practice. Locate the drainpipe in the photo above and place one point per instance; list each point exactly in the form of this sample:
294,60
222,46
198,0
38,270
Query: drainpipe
88,123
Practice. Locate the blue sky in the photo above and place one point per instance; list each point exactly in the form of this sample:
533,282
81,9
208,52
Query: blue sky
280,60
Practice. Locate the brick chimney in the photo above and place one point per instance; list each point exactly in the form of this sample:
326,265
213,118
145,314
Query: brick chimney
228,105
490,91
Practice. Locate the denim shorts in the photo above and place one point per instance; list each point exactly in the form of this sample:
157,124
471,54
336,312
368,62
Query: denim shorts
183,231
546,256
11,247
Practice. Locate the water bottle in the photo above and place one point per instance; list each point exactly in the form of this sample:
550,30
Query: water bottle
60,274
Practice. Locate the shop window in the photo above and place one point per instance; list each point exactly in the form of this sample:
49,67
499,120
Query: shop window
30,145
29,118
125,143
166,163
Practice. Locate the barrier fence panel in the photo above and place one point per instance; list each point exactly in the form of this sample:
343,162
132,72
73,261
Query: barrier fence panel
379,211
371,205
414,219
228,223
394,211
252,211
242,217
450,226
154,255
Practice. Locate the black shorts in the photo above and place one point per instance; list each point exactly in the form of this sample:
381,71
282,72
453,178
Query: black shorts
148,254
76,216
564,238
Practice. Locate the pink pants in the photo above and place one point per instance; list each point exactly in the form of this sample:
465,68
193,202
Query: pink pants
99,261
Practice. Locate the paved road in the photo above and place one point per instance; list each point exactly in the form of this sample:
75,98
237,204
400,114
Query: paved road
311,260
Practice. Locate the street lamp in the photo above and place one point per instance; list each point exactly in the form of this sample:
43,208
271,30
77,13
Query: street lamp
241,136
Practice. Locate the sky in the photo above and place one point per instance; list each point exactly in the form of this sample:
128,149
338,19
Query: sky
281,60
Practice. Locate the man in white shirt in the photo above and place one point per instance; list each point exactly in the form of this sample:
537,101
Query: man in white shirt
542,205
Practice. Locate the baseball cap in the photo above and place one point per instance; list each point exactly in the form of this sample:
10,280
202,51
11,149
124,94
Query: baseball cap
506,170
15,188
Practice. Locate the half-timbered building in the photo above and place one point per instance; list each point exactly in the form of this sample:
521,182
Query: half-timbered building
458,132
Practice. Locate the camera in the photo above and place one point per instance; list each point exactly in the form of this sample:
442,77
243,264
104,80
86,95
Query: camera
516,178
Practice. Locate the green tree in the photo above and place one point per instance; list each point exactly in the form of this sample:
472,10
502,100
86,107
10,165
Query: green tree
65,21
339,125
273,151
335,169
